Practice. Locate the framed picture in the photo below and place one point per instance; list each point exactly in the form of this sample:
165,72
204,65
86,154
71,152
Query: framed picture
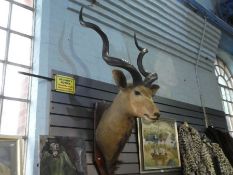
10,155
158,146
62,155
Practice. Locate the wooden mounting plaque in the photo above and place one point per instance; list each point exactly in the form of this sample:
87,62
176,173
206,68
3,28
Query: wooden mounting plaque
98,157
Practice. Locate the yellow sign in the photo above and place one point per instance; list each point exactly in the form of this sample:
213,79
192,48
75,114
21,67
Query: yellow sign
65,84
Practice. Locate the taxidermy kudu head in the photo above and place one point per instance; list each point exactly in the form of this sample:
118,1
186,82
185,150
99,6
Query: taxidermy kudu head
133,100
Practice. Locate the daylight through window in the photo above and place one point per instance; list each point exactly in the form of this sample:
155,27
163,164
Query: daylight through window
225,81
16,34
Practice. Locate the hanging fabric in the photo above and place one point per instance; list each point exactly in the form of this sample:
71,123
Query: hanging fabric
199,156
223,139
194,155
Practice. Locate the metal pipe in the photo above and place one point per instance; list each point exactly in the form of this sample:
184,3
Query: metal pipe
197,77
37,76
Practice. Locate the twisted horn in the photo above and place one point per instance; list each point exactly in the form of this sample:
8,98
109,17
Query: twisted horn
149,77
112,61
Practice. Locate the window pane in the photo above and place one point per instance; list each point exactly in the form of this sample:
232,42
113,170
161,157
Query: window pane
229,83
228,94
19,49
230,108
225,106
13,79
228,74
222,81
4,10
1,67
223,93
229,122
21,20
13,121
226,77
216,73
231,94
221,71
26,2
2,43
217,70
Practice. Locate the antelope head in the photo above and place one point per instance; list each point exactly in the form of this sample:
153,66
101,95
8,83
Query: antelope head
133,100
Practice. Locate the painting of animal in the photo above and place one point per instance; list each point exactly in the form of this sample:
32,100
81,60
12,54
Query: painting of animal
158,143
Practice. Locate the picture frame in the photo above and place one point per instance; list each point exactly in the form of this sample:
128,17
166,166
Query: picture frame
11,155
158,146
62,155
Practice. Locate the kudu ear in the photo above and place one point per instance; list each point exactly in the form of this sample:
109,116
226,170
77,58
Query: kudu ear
119,78
154,88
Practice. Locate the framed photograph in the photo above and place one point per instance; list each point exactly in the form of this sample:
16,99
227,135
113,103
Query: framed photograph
158,146
10,155
62,155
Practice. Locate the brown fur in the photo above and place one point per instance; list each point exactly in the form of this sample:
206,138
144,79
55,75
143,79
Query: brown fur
116,122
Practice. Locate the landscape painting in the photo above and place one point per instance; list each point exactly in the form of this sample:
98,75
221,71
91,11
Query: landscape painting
158,145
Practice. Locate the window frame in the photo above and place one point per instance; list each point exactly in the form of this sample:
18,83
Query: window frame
5,62
226,88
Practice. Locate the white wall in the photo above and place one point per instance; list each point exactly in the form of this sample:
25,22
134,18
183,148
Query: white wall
62,44
39,109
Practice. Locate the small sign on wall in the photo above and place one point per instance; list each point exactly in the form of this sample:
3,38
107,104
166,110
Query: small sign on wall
65,84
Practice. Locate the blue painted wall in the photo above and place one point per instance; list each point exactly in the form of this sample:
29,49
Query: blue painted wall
208,4
226,42
73,49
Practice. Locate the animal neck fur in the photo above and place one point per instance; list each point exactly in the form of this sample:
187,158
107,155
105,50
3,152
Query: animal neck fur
118,113
114,129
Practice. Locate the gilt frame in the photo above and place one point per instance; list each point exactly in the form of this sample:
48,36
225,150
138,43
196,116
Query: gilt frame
155,153
11,157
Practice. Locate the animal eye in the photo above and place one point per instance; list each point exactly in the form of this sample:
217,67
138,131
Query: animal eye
137,93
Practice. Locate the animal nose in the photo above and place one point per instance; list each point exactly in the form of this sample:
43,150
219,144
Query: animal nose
157,115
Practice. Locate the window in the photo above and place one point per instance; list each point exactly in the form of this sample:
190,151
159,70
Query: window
225,81
16,35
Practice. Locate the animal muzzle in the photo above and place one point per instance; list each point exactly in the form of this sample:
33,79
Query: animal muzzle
153,117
